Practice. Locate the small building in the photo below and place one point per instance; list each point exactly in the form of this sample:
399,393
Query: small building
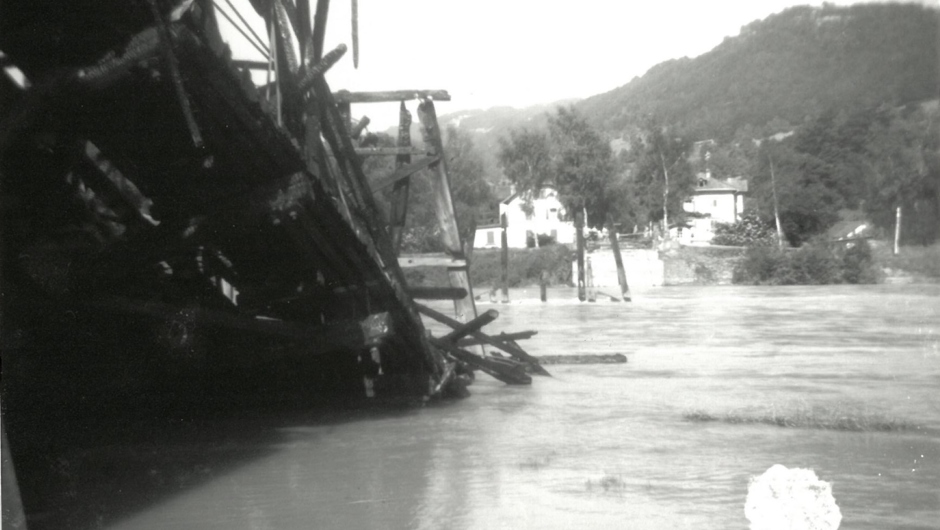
547,218
713,201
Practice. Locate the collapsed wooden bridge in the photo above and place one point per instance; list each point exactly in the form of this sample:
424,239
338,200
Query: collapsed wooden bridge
168,225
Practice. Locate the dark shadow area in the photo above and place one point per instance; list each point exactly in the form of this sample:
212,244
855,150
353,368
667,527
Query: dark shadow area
88,463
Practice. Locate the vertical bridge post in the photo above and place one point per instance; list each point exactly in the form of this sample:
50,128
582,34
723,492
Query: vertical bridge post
444,208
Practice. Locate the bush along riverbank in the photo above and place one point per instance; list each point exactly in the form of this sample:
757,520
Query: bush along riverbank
810,264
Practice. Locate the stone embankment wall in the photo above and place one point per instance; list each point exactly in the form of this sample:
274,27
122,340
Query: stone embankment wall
673,266
700,265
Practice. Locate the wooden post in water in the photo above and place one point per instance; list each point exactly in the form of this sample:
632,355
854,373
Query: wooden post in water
399,209
504,257
543,284
579,234
591,293
618,259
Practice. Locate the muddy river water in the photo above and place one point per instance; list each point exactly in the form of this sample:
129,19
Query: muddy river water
617,446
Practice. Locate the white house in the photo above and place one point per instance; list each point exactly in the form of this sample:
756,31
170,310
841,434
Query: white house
713,201
548,218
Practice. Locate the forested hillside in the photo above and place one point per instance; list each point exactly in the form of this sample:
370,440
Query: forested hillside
786,68
838,105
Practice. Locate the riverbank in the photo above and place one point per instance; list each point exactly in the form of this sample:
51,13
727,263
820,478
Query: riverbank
683,265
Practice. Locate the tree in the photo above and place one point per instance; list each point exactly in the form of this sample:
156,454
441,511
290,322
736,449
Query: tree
525,158
573,157
807,204
470,192
582,166
663,175
904,167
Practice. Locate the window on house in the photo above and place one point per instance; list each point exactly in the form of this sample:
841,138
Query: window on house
715,203
491,238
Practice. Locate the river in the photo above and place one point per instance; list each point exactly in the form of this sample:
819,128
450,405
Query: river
607,446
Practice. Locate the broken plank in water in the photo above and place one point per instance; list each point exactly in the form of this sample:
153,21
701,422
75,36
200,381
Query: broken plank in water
506,346
602,358
472,326
512,374
387,96
519,335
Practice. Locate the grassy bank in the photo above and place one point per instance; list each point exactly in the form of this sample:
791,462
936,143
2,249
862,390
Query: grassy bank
811,264
525,268
837,417
919,262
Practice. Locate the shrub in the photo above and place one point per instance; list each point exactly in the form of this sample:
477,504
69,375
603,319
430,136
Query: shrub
525,266
858,265
749,231
811,264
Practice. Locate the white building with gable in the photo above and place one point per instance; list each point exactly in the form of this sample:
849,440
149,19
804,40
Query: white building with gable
548,218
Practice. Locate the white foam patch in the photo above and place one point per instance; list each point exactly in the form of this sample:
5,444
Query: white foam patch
791,499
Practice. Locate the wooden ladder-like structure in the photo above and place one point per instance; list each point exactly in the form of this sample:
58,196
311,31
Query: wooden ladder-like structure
320,121
467,325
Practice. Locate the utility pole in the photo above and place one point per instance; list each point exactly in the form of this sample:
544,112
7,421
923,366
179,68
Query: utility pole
665,197
897,231
773,184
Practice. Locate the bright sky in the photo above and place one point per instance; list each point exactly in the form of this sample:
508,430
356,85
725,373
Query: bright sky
515,52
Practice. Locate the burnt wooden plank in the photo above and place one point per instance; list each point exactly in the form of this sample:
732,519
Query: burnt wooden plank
389,96
388,151
519,335
435,293
507,347
399,202
465,308
472,326
431,260
402,173
509,374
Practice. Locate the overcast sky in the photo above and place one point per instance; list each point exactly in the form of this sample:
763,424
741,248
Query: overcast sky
516,52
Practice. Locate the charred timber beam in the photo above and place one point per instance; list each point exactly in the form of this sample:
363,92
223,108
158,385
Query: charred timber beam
399,204
166,47
389,96
355,32
342,335
302,27
509,374
403,172
436,293
321,66
472,326
360,126
283,27
431,260
252,65
511,349
388,151
319,28
519,335
464,308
